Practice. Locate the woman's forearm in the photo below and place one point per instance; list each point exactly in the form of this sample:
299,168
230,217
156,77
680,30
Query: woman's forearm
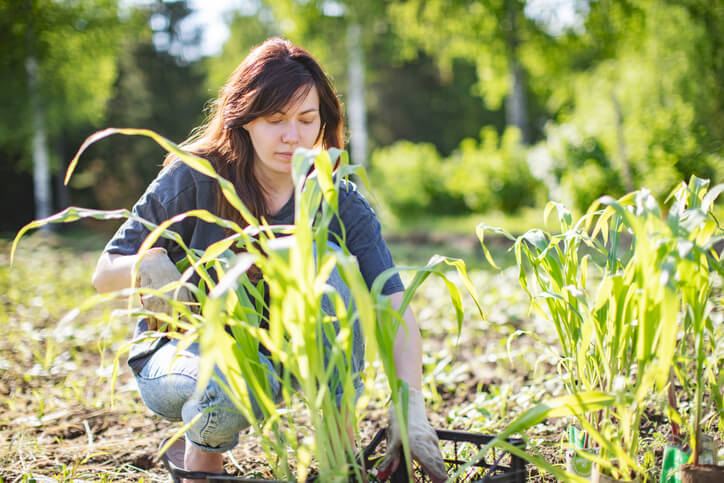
408,346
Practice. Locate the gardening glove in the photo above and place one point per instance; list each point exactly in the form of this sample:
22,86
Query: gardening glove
424,445
155,271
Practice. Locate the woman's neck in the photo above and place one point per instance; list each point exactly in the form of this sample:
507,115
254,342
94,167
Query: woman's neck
276,192
276,201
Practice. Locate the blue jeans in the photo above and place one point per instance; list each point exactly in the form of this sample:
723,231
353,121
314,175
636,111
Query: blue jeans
167,383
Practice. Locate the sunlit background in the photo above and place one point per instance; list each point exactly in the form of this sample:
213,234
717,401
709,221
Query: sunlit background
459,110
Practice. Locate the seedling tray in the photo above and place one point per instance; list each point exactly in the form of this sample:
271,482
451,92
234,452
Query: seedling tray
457,447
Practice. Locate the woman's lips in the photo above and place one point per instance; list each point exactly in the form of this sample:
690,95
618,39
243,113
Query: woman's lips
285,155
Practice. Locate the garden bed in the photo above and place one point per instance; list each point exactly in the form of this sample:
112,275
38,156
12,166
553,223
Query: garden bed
59,421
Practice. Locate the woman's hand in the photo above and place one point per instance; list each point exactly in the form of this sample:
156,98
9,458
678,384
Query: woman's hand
156,270
424,444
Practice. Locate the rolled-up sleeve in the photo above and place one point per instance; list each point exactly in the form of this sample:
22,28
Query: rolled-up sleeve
163,199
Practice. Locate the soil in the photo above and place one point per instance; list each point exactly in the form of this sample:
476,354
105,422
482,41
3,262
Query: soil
53,428
75,441
61,422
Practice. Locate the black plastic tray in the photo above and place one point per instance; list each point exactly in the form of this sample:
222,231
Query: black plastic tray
457,448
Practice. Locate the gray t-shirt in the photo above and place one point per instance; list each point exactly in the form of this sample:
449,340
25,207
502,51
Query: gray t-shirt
179,188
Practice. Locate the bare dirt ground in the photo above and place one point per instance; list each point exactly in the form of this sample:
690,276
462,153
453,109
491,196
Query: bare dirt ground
61,419
64,420
52,438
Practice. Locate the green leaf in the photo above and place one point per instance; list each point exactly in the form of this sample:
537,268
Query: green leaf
68,215
569,405
564,215
708,201
698,187
229,281
480,230
537,238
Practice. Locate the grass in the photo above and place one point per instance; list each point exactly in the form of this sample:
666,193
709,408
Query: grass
455,236
55,383
59,420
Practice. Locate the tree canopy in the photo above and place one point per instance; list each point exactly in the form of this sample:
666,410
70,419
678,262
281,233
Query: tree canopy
628,94
74,46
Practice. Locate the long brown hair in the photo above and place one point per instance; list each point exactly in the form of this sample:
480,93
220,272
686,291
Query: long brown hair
261,85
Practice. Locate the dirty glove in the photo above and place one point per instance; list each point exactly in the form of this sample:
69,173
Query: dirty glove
155,271
424,445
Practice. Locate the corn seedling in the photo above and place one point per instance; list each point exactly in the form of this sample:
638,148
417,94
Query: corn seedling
697,231
618,328
310,349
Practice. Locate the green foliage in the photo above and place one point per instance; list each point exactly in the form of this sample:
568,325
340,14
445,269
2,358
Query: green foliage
443,119
649,92
477,177
322,31
698,232
155,88
53,286
447,114
640,79
486,33
492,174
409,176
74,45
581,166
246,31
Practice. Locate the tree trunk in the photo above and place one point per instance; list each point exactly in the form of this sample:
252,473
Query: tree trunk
515,104
41,158
356,104
62,192
623,157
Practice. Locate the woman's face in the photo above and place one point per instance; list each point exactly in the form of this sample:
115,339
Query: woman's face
276,136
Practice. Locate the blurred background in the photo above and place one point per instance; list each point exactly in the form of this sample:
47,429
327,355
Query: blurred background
461,110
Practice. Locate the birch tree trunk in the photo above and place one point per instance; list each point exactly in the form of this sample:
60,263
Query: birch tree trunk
356,104
622,155
41,159
515,104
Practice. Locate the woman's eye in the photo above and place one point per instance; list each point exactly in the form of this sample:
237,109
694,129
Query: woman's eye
307,121
274,120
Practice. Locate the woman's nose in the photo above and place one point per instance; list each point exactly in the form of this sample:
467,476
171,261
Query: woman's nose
291,133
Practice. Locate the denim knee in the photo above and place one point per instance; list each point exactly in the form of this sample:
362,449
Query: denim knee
219,421
167,385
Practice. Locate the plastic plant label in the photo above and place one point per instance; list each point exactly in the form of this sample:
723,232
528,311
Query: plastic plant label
578,465
673,459
577,437
575,463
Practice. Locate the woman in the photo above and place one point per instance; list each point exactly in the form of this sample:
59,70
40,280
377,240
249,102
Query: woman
276,101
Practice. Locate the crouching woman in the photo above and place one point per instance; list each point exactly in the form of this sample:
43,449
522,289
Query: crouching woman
277,100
